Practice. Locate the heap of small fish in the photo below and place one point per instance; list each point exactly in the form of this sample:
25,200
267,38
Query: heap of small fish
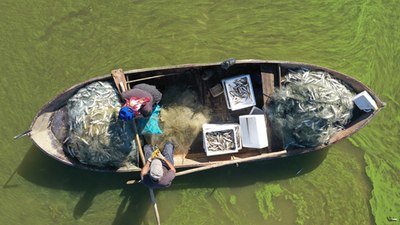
239,90
220,140
96,136
310,108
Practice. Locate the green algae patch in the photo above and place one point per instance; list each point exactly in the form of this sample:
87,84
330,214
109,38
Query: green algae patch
197,206
233,199
226,208
386,186
382,162
301,207
265,198
58,212
353,142
336,191
192,202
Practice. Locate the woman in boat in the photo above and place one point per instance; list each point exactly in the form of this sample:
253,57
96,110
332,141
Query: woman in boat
159,170
139,101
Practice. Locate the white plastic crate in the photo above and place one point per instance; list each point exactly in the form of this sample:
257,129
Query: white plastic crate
365,102
253,131
221,128
234,88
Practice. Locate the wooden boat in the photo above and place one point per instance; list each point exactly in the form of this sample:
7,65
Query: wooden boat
270,73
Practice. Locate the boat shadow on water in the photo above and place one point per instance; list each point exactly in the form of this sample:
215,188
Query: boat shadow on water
241,175
38,168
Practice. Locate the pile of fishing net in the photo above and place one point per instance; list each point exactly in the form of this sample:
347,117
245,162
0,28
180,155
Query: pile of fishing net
97,137
181,119
310,108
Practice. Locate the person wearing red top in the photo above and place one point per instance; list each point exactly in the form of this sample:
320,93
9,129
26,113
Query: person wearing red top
139,101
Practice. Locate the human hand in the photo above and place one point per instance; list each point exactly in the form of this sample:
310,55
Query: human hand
160,156
155,154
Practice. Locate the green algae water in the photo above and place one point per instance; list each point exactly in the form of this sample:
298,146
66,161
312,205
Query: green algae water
47,47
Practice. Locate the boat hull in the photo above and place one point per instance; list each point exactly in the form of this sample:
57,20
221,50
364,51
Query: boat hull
270,72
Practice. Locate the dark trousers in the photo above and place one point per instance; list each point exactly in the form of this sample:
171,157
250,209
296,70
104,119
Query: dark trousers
168,152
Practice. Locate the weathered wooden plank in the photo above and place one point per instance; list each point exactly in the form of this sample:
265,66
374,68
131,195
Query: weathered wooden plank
268,83
119,80
268,90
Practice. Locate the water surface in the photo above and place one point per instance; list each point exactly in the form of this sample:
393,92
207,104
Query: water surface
48,46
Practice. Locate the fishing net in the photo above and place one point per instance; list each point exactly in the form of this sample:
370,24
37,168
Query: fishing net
97,137
310,108
181,119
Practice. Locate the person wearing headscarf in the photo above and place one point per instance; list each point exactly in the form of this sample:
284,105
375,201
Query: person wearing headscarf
139,101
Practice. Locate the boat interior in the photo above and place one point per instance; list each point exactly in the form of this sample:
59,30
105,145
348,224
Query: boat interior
265,78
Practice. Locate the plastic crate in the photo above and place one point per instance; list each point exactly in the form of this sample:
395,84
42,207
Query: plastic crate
238,92
219,129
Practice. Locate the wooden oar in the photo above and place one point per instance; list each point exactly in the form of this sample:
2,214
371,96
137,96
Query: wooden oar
138,143
189,171
153,198
236,161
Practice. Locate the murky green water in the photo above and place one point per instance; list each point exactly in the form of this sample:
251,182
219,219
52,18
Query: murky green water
47,46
